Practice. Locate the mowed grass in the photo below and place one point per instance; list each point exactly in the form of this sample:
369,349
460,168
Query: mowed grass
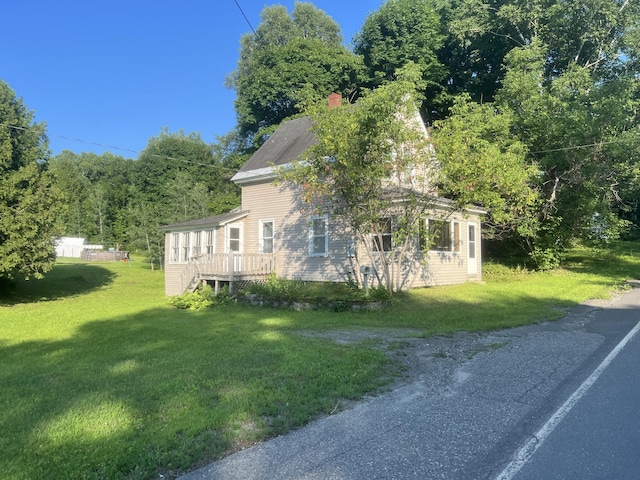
100,378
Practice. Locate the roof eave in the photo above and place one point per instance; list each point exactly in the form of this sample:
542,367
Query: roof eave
267,173
189,226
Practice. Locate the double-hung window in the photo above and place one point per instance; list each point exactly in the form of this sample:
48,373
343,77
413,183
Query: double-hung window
319,236
381,235
266,236
209,242
439,235
186,246
234,238
175,248
196,248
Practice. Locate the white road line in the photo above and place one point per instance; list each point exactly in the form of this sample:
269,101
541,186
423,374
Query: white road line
523,455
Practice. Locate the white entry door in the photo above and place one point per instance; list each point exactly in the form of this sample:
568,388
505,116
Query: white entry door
472,248
234,244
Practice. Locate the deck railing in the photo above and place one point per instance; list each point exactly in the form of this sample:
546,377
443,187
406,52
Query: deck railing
227,267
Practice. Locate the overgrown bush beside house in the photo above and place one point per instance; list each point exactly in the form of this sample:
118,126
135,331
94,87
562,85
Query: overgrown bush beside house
200,299
300,295
284,293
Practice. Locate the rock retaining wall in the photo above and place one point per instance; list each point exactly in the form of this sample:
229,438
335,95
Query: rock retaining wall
308,304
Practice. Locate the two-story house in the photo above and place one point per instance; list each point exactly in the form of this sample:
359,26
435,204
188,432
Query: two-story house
273,231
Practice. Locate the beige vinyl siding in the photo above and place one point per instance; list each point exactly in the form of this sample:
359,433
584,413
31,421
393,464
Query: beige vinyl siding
290,216
446,268
172,271
443,267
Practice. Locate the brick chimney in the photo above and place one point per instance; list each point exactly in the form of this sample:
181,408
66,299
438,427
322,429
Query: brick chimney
335,100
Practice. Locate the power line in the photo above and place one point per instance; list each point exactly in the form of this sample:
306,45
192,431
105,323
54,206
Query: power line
137,152
245,17
590,145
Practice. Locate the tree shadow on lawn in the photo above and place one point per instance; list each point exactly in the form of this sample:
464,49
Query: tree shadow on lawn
618,261
163,390
65,280
156,392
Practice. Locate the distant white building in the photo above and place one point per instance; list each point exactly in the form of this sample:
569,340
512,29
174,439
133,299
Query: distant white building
73,247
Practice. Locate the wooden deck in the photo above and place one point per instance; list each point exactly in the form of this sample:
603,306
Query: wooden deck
226,267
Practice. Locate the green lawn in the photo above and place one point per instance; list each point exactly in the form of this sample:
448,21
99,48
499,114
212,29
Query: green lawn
102,379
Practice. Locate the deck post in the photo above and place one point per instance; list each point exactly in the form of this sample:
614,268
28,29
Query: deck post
232,269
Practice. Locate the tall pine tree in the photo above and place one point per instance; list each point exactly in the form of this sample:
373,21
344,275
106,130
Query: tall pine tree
29,204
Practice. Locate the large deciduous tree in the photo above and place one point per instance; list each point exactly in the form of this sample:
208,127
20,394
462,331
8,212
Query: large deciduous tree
290,62
96,190
30,206
403,31
484,163
178,177
176,158
573,123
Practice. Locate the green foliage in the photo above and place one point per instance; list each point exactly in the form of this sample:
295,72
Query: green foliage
340,295
101,379
278,288
474,48
572,123
290,62
96,190
483,163
200,299
30,204
183,168
496,270
373,160
120,202
402,31
378,293
545,259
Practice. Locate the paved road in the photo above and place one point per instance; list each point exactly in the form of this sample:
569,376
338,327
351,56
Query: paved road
595,434
470,426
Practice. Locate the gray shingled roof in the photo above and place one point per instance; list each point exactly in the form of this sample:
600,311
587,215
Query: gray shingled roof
215,221
287,144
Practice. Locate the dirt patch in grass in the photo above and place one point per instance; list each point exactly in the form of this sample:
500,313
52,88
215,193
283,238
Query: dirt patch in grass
436,357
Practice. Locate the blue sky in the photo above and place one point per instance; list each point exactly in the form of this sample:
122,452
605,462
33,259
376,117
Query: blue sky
115,73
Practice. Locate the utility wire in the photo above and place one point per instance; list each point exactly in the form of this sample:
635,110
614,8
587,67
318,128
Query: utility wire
245,17
577,147
137,152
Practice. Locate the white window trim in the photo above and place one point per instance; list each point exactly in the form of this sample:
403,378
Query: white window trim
261,238
312,219
227,242
185,255
205,245
196,243
452,236
174,240
373,238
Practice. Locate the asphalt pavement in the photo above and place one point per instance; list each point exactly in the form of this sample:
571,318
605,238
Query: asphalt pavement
468,424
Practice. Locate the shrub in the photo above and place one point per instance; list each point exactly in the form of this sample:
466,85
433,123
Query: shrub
277,288
340,295
545,258
379,293
200,299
